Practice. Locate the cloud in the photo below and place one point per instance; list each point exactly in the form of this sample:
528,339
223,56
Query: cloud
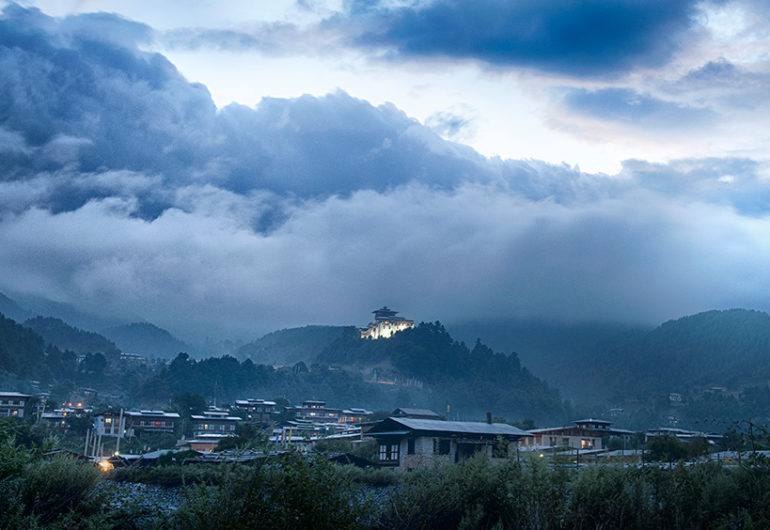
594,38
725,85
273,37
125,190
455,123
627,106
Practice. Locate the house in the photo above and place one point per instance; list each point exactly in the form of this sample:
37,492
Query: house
385,325
13,404
408,443
60,419
214,421
681,434
257,410
150,421
316,411
111,422
355,415
588,434
424,414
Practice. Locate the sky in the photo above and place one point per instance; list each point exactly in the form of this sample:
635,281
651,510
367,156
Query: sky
233,167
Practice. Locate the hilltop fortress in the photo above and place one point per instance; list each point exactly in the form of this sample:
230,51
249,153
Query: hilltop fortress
385,324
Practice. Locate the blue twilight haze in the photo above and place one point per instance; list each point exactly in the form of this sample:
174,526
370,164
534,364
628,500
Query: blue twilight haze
128,189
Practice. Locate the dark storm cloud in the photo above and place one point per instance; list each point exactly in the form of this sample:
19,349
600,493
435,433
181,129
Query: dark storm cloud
591,38
123,189
628,106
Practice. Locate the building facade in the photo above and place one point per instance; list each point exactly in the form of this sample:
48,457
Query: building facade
257,410
316,411
13,404
214,422
589,434
150,421
408,443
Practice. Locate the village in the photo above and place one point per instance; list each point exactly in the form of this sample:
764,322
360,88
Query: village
402,439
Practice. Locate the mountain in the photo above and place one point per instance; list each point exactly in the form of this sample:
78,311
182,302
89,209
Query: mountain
38,305
146,339
12,310
422,367
551,349
471,380
66,337
728,348
22,351
290,346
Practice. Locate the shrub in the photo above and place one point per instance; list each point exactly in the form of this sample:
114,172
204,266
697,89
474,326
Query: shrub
284,493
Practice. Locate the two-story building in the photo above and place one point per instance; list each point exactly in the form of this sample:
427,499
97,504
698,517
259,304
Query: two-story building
408,443
214,421
13,404
316,411
257,410
355,415
588,434
111,422
150,421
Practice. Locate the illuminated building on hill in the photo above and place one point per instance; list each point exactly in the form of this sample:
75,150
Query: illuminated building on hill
385,324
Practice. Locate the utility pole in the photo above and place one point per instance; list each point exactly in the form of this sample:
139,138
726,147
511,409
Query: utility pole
120,431
85,448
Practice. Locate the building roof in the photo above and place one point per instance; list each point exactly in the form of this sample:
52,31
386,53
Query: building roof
216,418
401,411
251,401
150,414
449,427
592,420
14,394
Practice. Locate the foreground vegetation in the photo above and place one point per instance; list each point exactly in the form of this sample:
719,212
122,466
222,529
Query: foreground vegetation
38,489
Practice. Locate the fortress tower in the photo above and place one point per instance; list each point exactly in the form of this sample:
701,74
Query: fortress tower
385,324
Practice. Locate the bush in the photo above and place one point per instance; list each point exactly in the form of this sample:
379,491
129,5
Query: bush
284,493
41,492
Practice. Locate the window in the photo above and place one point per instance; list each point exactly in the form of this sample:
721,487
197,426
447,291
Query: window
587,443
388,452
441,447
410,446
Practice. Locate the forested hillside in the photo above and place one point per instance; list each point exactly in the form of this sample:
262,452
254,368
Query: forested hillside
66,337
423,367
472,380
551,349
717,348
290,346
24,356
147,340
